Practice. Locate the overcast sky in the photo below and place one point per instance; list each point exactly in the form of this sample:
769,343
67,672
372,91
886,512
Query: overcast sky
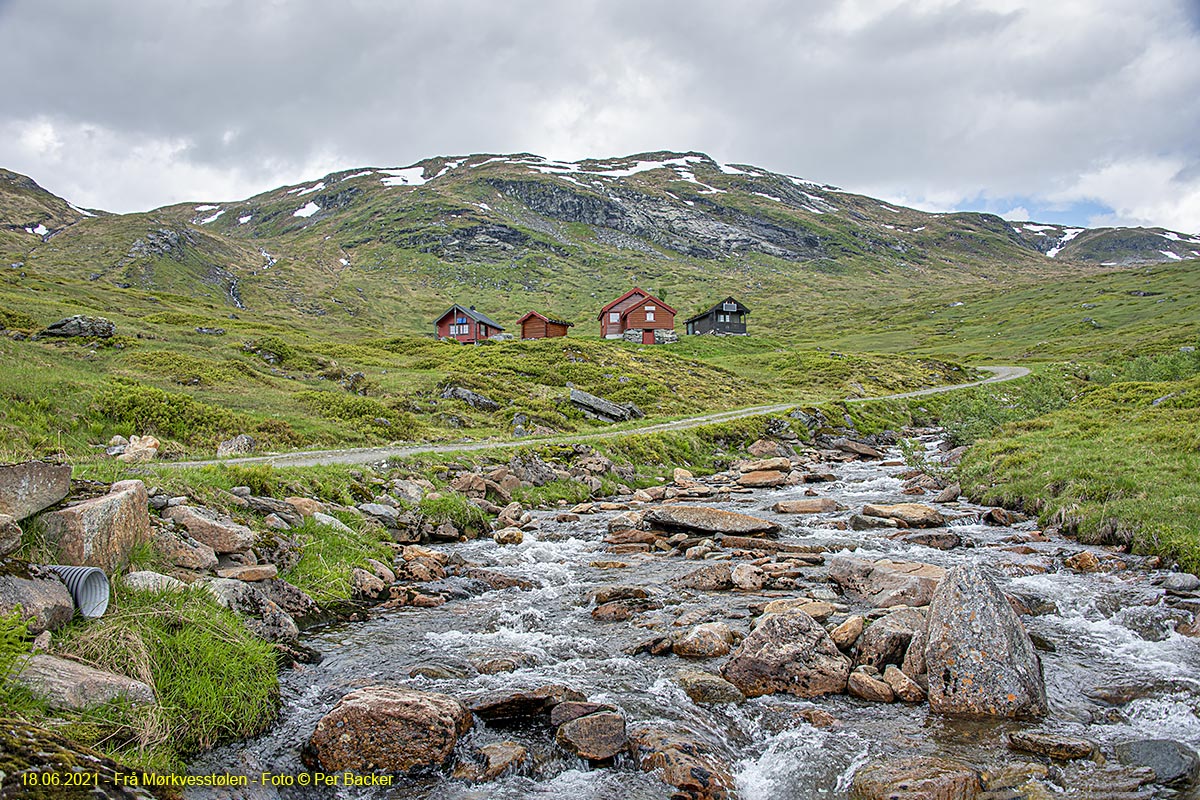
1076,111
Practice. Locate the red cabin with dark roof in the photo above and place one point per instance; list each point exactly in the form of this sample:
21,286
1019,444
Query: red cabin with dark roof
465,325
538,326
636,310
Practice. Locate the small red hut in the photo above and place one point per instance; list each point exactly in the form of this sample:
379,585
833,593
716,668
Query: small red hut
537,326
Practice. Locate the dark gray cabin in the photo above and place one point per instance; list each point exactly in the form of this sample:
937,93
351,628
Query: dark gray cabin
726,317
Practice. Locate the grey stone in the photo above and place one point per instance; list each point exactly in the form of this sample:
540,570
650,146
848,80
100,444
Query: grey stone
101,532
147,581
705,688
262,615
322,518
71,685
42,597
1174,763
886,639
82,326
606,410
32,486
788,652
708,521
473,399
10,534
238,445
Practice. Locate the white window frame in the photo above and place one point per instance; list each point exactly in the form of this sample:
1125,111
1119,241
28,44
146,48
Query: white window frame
614,316
649,316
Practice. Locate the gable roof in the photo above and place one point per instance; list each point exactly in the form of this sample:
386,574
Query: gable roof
635,290
473,314
544,318
717,307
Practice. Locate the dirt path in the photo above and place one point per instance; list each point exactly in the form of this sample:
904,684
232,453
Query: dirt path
371,455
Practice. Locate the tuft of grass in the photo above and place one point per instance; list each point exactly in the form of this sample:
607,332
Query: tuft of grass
328,555
456,508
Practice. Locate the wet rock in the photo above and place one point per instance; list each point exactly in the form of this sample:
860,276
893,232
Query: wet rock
596,737
950,494
216,530
1180,582
1084,561
938,540
710,640
847,633
916,778
788,652
681,760
1054,745
293,601
864,685
814,505
261,615
70,685
43,599
492,761
25,748
239,445
387,729
148,581
859,522
182,550
979,659
817,609
1174,763
886,640
1002,517
621,610
100,532
366,586
505,706
914,515
708,521
856,448
32,486
570,710
903,686
508,536
748,577
607,594
709,578
776,464
887,583
762,479
705,688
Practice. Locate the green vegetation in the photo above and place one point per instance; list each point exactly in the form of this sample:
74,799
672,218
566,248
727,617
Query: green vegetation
328,554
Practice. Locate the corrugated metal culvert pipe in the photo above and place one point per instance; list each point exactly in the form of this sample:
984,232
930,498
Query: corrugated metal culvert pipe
88,586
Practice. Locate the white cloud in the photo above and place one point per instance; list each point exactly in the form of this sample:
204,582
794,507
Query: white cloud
1145,191
1018,214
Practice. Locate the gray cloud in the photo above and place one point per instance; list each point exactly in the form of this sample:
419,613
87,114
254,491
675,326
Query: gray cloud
136,103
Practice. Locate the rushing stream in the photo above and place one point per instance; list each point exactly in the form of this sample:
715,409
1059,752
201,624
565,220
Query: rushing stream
1114,667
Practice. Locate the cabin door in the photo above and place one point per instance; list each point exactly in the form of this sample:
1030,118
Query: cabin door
647,336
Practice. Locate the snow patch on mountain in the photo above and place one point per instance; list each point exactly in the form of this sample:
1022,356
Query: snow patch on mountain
409,176
307,210
206,208
213,218
1068,235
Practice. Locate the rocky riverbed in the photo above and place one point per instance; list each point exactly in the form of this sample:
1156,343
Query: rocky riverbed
860,632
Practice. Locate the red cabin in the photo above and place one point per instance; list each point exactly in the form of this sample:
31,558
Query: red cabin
636,310
535,326
465,325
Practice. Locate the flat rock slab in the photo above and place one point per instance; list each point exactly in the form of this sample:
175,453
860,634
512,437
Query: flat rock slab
250,572
761,479
41,595
217,531
914,515
102,531
811,505
71,685
919,778
32,486
709,520
596,737
887,583
1054,745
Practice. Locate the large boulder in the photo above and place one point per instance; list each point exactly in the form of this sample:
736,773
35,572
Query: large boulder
978,656
681,760
387,729
788,652
703,520
887,583
71,685
1174,763
81,326
261,615
28,750
217,531
32,486
708,640
473,399
706,688
914,515
41,595
916,778
604,410
596,737
100,532
886,640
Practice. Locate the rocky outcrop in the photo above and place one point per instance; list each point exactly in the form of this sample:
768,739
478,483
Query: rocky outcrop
81,326
919,778
41,595
703,520
71,685
262,615
216,530
604,410
979,659
100,532
26,748
32,486
473,399
887,583
788,652
387,729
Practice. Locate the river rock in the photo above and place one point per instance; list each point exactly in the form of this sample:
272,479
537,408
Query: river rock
847,633
938,540
709,578
182,550
569,710
1054,745
979,659
25,748
262,615
596,737
748,577
70,685
32,486
762,479
492,761
681,760
949,494
508,536
502,706
916,778
864,685
100,532
914,515
710,640
366,586
705,688
1174,763
216,530
811,505
788,652
887,583
40,594
817,609
1084,561
857,448
708,521
387,729
886,639
903,686
148,581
